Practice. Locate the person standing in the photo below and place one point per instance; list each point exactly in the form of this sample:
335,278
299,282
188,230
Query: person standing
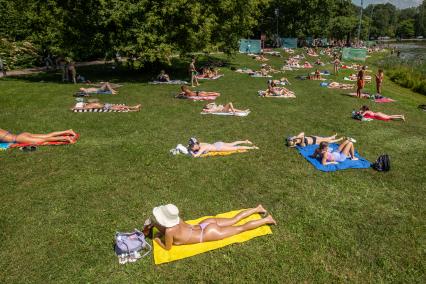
360,82
336,64
379,81
193,71
72,72
2,68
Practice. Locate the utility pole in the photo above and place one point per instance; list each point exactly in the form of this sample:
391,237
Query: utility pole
360,21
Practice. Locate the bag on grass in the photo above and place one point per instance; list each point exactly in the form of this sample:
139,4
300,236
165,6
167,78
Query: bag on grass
382,164
128,246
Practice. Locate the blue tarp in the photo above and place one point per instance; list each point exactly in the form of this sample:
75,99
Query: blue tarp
250,46
348,164
289,42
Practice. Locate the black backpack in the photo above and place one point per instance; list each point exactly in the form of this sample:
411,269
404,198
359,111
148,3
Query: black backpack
382,164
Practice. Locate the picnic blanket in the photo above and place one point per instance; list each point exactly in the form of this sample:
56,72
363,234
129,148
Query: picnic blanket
244,113
201,77
17,145
264,94
348,164
171,82
183,251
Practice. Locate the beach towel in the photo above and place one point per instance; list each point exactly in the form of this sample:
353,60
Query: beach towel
265,95
17,145
341,86
201,77
260,76
171,82
183,251
244,113
221,153
4,146
348,164
104,109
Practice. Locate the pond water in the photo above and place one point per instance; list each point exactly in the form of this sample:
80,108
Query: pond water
411,50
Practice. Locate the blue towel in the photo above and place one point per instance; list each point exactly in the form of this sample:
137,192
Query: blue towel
348,164
4,146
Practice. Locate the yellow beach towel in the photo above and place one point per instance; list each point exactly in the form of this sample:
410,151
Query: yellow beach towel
183,251
223,153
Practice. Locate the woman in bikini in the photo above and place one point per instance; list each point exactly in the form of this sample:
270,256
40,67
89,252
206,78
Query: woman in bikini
329,156
360,82
367,113
302,140
25,137
273,90
174,231
228,108
188,93
197,149
193,72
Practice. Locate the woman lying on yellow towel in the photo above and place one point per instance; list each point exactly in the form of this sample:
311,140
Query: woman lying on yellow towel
177,232
197,149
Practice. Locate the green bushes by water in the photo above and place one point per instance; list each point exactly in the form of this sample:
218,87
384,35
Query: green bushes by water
407,73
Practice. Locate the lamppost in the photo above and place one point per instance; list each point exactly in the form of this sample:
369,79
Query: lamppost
360,21
277,13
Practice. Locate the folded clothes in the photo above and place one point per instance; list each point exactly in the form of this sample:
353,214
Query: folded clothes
241,113
171,82
183,251
309,150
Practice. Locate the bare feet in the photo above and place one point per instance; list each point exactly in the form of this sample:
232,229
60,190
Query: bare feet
249,142
260,209
355,159
403,118
270,220
71,132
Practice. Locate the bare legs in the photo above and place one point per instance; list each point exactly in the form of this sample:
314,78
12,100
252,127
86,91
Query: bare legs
59,136
348,149
107,87
236,146
220,228
393,117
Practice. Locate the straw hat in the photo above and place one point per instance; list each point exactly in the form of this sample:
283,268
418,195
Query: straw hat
166,215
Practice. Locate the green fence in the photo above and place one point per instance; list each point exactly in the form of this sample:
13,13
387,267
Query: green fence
289,42
250,46
354,54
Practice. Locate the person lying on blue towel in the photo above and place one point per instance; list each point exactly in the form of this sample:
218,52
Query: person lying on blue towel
329,157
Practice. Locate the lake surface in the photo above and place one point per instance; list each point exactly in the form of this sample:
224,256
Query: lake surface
411,50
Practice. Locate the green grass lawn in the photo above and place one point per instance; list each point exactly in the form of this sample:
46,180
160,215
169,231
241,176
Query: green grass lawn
60,206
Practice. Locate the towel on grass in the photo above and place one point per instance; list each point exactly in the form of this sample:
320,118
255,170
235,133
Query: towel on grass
4,146
262,93
244,113
104,109
260,76
221,153
171,82
368,96
348,164
201,77
183,251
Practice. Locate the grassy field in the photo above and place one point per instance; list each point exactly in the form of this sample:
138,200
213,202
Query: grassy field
60,206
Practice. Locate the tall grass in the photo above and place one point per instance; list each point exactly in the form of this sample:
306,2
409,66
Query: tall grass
409,73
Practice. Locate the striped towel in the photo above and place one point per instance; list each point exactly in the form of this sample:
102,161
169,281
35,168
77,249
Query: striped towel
99,109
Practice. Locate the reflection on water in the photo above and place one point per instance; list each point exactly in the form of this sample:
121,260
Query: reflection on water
411,50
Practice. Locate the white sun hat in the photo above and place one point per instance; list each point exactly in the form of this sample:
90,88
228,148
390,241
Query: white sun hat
166,215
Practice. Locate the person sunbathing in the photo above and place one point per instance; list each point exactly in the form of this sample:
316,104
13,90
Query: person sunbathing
30,138
307,65
197,149
329,156
104,87
367,113
163,76
273,90
228,108
98,105
316,76
188,93
302,140
282,81
173,231
260,58
337,85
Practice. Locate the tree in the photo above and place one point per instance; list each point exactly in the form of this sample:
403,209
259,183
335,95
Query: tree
406,29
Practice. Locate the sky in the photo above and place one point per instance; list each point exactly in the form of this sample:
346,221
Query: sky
402,4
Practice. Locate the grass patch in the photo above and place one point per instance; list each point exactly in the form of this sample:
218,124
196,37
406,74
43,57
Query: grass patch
62,205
